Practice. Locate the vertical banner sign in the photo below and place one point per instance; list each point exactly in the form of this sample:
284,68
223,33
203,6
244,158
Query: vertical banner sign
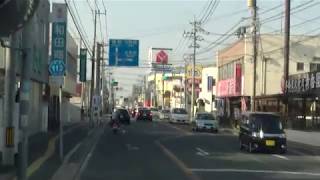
238,78
209,83
83,65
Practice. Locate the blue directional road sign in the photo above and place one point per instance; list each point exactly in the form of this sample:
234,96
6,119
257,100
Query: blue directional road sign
123,52
57,68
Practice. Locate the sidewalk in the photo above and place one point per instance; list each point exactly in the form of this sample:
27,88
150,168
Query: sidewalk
304,137
42,147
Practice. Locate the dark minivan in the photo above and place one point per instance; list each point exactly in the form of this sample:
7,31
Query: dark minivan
262,131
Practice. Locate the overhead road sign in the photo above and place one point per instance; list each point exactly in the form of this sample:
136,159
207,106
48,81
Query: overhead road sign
123,52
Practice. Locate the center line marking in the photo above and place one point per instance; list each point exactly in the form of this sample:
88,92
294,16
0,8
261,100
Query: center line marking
279,156
255,171
202,151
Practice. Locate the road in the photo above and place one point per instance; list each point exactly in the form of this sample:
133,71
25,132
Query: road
160,151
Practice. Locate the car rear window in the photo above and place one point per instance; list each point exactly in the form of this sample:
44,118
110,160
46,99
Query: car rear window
144,111
267,122
153,109
165,111
179,111
123,111
205,117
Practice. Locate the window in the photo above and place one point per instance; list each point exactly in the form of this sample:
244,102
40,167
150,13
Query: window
300,66
314,67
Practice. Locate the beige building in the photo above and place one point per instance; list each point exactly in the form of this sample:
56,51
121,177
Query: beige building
235,71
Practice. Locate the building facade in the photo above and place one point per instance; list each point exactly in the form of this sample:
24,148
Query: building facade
235,72
208,88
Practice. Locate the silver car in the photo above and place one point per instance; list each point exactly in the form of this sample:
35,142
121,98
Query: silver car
206,122
164,114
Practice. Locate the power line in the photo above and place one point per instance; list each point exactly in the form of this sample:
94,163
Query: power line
214,7
299,24
207,11
294,10
82,27
77,27
297,42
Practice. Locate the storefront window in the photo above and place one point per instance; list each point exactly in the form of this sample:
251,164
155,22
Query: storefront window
314,67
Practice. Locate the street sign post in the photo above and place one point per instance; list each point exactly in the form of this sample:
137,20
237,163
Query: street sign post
58,57
123,52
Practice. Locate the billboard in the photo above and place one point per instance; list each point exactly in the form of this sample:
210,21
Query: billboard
123,52
159,55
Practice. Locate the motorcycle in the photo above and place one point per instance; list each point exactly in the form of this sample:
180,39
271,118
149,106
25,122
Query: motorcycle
115,128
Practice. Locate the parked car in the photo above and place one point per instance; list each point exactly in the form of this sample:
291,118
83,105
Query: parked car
179,115
262,131
122,115
144,114
206,122
164,114
155,113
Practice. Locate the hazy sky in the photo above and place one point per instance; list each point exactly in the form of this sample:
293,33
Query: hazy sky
162,23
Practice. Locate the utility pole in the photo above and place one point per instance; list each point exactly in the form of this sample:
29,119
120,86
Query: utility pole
93,67
286,52
253,5
24,103
194,35
98,88
185,84
155,89
9,97
163,85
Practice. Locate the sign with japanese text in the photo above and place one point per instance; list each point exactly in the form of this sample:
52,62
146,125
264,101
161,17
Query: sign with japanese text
57,66
161,67
83,65
58,43
303,83
123,52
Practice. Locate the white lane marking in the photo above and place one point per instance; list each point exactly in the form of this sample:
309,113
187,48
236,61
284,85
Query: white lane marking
132,148
279,156
256,171
202,152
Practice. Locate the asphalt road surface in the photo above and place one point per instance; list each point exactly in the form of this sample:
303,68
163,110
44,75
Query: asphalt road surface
160,151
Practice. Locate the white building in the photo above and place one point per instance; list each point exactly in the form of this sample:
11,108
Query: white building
208,88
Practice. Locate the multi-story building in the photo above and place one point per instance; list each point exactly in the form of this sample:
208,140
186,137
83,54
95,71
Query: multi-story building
235,72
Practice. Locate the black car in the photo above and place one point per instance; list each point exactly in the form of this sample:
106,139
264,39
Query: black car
122,115
144,114
262,131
